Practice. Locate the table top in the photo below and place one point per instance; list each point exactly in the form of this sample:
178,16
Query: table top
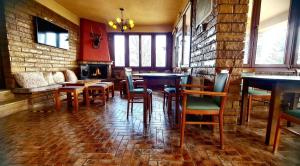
160,75
273,77
71,88
83,82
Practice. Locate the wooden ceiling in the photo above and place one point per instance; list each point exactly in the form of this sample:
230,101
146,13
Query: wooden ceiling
143,12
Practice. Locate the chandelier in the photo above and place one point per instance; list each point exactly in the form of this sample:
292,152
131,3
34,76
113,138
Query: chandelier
121,23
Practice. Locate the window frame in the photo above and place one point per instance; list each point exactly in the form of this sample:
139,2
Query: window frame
124,50
169,41
290,59
166,53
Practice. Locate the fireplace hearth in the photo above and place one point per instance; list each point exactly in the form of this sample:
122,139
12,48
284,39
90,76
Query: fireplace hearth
95,71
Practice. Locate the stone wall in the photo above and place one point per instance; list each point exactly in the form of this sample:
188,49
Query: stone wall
221,45
21,52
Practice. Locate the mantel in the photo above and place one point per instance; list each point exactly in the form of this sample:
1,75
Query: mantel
95,62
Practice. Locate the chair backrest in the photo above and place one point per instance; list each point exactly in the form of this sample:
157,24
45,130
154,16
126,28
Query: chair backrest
221,83
128,74
184,80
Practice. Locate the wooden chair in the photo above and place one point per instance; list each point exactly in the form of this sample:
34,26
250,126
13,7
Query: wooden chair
255,94
212,103
137,95
291,116
169,93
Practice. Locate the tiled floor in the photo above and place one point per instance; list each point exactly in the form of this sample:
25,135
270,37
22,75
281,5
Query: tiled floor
103,136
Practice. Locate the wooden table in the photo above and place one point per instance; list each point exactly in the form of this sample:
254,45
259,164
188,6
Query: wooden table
172,76
70,90
277,85
84,83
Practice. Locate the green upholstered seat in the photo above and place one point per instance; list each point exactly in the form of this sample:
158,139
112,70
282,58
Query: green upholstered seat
201,103
140,90
294,113
170,90
258,92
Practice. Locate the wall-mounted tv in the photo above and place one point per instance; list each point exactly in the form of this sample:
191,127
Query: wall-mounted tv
51,34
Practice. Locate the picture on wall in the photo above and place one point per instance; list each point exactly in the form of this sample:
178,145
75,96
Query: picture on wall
203,10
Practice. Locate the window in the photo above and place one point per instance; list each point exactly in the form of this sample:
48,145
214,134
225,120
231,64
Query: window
248,29
161,50
119,48
179,48
146,50
134,50
141,50
298,48
272,32
187,38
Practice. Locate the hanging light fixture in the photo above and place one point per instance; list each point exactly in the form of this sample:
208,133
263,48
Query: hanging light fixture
121,23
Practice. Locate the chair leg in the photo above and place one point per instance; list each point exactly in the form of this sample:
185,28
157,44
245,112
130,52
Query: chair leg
121,91
113,90
221,131
149,106
164,101
151,101
169,98
182,129
128,103
131,106
249,109
277,136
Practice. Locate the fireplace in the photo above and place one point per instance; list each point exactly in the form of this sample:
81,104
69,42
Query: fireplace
95,71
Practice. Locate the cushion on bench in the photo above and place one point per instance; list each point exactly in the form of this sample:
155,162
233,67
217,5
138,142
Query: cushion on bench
58,77
49,78
37,89
70,76
30,79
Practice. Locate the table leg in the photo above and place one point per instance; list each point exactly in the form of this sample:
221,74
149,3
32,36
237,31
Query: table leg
75,93
57,100
87,97
274,110
145,105
113,90
177,81
243,113
69,99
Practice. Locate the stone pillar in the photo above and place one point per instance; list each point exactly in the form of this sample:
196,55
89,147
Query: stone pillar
221,45
230,32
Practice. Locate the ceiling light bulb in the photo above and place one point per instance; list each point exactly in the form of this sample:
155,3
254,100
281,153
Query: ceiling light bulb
110,23
114,26
130,21
118,20
125,27
131,25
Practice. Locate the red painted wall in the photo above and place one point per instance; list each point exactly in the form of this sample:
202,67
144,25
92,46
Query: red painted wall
87,52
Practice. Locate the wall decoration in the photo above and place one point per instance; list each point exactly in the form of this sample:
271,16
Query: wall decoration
95,38
203,10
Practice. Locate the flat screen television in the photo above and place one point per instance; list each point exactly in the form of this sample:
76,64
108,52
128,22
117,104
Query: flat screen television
51,34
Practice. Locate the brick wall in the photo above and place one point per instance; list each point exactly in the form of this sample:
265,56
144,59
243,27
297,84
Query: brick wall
21,52
221,45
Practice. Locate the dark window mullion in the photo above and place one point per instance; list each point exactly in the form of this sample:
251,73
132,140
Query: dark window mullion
254,32
140,51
